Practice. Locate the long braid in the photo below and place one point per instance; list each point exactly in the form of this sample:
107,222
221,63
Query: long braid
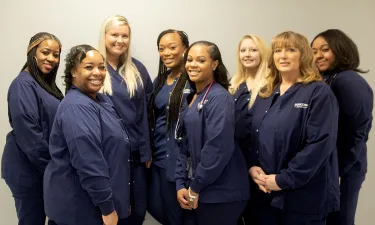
175,100
49,83
175,97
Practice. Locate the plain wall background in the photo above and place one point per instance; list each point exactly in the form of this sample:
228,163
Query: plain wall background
222,22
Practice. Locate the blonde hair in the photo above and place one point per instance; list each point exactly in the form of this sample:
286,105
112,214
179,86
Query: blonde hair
127,70
307,68
261,73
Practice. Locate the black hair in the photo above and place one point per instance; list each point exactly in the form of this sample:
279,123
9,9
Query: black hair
221,72
76,53
47,82
176,95
344,48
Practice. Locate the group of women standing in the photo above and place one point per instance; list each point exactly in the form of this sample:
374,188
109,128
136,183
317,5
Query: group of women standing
282,142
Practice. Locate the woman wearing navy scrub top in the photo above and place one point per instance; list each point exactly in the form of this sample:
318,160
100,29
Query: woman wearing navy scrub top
87,181
211,174
252,68
337,58
293,134
129,86
170,89
33,98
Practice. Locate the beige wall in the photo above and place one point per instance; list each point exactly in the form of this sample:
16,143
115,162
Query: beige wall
78,22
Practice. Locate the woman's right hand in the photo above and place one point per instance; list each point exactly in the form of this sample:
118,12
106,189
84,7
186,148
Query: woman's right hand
182,198
110,219
257,174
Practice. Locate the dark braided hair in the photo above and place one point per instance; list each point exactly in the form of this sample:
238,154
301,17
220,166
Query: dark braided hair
76,54
176,95
49,82
221,72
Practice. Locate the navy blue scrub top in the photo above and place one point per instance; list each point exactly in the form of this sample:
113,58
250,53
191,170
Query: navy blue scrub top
243,119
133,111
31,111
160,134
356,99
165,145
89,172
294,136
208,143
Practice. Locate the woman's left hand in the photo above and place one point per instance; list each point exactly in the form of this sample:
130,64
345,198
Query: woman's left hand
193,199
271,182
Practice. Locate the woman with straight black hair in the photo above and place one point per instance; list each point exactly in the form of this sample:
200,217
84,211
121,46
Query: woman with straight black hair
211,174
33,98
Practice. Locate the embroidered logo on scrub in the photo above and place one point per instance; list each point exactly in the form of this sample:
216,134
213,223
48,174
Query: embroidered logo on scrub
301,105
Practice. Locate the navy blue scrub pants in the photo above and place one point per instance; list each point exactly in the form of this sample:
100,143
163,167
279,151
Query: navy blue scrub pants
269,215
29,204
349,191
138,196
249,213
217,213
162,198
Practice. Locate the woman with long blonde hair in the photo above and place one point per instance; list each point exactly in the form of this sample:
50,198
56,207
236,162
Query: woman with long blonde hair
129,86
293,157
252,68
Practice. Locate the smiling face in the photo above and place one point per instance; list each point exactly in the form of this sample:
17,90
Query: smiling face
287,59
47,55
199,64
324,58
171,50
89,74
249,54
117,39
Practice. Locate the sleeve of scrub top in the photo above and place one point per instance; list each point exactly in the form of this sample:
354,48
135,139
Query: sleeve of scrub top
144,138
243,136
82,131
26,122
181,174
321,135
356,104
144,142
219,146
147,83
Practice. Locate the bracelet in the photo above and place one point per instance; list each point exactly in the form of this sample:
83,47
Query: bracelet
191,197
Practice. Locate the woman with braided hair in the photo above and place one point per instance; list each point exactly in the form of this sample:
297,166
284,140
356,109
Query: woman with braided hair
171,87
33,98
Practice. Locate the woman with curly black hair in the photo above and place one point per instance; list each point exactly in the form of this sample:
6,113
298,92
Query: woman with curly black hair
87,181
